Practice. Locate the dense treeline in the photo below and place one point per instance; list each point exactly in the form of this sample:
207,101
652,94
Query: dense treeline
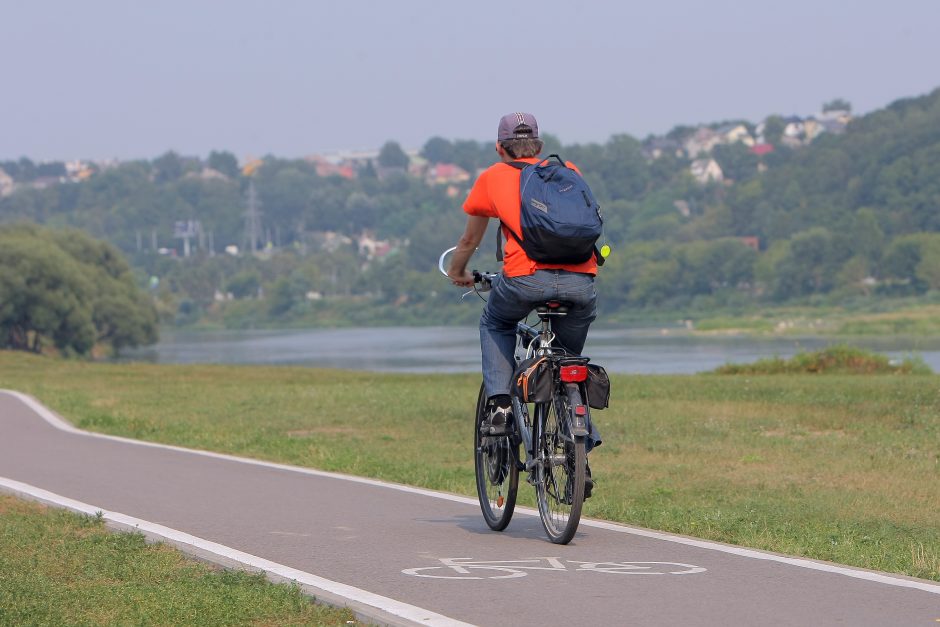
851,215
61,288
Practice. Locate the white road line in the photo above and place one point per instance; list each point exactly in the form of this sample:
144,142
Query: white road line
876,577
185,541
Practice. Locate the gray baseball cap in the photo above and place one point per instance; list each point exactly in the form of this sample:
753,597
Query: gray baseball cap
518,126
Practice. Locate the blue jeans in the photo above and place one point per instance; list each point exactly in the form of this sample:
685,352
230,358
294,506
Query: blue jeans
511,300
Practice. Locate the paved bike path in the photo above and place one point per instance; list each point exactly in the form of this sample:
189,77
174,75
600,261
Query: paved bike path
385,544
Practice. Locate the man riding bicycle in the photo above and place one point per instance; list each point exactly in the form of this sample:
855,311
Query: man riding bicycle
524,283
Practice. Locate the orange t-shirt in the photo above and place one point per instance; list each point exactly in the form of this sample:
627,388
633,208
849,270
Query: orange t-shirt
495,194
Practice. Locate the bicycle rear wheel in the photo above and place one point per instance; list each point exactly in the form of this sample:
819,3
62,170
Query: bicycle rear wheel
496,470
560,470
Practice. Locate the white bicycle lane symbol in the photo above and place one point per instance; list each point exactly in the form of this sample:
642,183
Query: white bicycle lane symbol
466,568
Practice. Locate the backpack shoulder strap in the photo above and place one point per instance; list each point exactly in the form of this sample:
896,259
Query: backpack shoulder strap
519,165
499,239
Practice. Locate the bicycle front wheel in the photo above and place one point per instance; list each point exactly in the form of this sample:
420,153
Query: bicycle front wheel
560,470
496,470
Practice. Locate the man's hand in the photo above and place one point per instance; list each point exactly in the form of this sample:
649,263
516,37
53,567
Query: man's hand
473,233
463,279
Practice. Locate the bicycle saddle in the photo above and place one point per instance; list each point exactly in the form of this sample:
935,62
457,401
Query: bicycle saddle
553,308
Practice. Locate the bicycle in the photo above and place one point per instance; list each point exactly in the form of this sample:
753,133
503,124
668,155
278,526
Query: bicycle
551,435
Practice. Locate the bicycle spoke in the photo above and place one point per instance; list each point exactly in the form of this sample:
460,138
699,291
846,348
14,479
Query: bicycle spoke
560,486
497,475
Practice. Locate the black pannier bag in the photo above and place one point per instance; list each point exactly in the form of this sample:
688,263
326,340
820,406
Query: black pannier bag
532,382
598,387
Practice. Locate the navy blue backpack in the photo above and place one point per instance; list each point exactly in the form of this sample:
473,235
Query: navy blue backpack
561,221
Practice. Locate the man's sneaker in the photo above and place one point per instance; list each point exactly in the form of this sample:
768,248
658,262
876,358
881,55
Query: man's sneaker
588,481
588,486
497,422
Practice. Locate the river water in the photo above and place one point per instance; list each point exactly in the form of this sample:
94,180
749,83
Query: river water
457,349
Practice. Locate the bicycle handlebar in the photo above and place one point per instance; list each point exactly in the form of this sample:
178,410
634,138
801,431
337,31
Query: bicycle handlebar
440,262
482,279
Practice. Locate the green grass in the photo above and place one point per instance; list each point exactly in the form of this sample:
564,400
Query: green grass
914,320
752,326
60,568
843,468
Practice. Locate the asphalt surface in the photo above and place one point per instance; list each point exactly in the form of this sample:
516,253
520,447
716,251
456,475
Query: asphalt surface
433,552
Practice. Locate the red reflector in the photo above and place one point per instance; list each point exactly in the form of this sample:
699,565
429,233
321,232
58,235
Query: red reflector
573,374
580,410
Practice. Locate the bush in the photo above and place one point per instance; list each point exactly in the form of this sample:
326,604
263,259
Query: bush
833,360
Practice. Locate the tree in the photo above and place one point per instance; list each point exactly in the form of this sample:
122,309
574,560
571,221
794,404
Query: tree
736,160
655,281
244,284
72,290
392,156
867,236
362,211
43,296
773,129
471,155
837,104
806,268
224,162
902,257
709,266
169,167
438,150
624,168
122,315
552,145
21,171
284,295
928,270
51,169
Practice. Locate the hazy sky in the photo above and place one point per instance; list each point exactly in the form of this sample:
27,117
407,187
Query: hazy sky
127,78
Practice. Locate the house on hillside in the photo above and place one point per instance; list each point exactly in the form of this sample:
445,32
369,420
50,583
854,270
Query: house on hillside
375,249
812,129
842,116
329,241
325,166
733,133
78,170
701,141
656,147
794,132
835,121
251,166
762,149
207,174
417,165
446,173
371,248
706,170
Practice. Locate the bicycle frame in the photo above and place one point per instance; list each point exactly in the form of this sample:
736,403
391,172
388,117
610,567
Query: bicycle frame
555,436
532,341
